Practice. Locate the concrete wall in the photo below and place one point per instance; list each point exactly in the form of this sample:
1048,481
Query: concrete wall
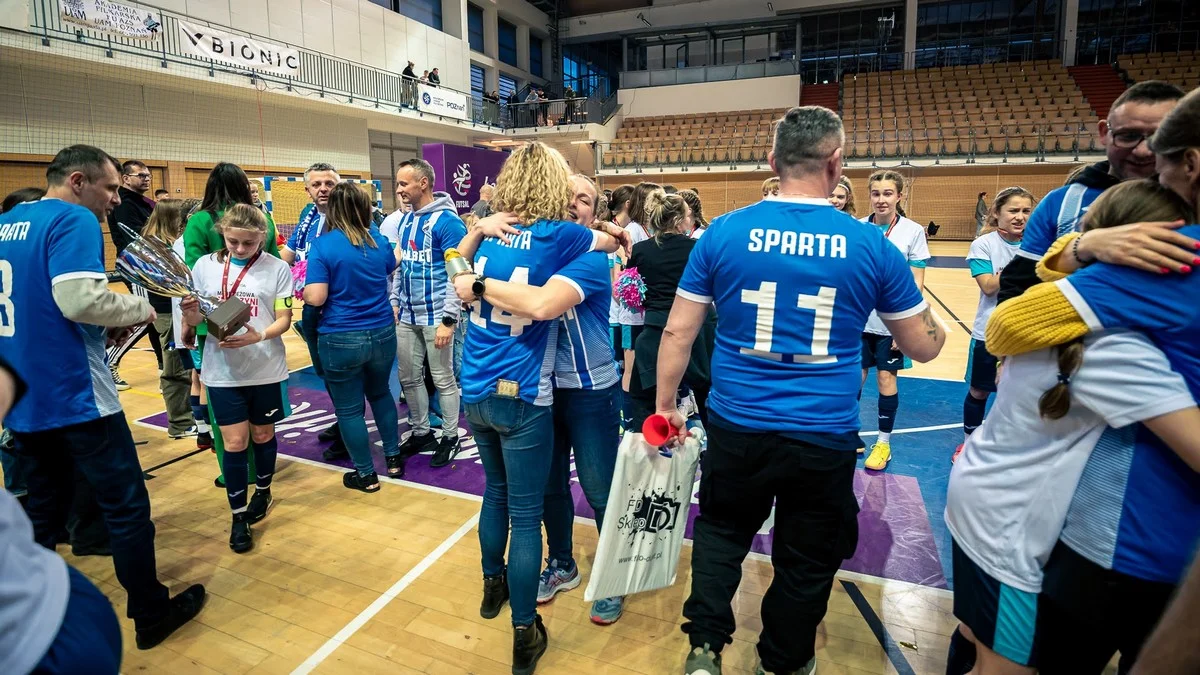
682,99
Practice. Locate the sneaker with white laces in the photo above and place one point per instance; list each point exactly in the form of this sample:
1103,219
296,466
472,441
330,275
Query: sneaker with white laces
881,454
555,579
703,661
119,383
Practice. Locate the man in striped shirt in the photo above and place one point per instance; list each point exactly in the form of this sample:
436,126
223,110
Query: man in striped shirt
426,308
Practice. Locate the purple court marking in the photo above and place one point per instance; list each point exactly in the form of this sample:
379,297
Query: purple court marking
894,537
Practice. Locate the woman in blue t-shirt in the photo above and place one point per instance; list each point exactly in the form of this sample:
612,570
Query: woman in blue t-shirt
507,363
348,270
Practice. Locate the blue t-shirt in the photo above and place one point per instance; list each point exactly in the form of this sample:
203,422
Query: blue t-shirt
421,288
584,357
504,350
794,281
1137,507
358,281
61,361
1060,212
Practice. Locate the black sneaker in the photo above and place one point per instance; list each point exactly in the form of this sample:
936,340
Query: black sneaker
260,503
495,594
240,539
330,434
415,445
219,482
181,609
204,441
119,383
354,481
447,449
104,550
529,643
395,466
336,452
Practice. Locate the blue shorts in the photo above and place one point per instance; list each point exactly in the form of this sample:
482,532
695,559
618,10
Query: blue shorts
1003,618
259,404
981,367
877,353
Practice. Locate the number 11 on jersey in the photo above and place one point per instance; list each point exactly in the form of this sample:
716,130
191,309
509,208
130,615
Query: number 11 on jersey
764,323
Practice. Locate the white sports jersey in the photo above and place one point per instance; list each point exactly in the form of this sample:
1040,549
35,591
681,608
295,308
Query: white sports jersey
268,279
988,255
1011,487
909,237
628,317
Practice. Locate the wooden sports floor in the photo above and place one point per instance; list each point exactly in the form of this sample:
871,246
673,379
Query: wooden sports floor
345,582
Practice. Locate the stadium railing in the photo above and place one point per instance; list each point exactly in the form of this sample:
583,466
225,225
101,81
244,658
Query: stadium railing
319,73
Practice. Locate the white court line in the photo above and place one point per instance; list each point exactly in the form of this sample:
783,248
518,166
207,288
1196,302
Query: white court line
382,601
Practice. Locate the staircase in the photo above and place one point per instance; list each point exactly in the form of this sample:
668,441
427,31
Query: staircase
826,95
1100,84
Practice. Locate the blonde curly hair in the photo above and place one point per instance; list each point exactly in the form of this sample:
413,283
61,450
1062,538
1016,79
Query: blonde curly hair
534,184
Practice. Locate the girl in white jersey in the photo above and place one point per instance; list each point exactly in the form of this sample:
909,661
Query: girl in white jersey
1011,487
990,252
246,373
879,350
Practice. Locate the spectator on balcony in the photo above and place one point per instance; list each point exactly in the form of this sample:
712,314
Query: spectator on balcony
569,111
409,82
434,78
425,77
544,107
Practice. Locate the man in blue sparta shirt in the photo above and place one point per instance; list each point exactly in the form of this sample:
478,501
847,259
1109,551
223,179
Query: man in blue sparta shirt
55,307
426,308
793,281
1133,118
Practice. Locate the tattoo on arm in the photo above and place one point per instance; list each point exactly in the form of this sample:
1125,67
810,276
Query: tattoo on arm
931,327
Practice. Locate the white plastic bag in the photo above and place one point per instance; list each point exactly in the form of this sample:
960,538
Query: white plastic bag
645,519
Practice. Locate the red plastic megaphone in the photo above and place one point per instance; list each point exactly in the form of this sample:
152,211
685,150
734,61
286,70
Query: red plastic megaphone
658,431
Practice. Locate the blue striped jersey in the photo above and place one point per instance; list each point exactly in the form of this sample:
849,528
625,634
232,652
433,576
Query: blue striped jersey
1137,507
510,355
1059,213
61,361
584,357
420,287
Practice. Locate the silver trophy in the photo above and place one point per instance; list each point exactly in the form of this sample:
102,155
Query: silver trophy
153,265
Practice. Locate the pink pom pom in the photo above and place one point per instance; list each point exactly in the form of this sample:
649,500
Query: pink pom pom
630,290
299,271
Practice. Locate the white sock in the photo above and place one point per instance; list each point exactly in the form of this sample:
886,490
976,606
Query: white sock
885,437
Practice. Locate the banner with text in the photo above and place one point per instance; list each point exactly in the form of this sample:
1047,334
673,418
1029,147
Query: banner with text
113,17
460,171
238,50
442,102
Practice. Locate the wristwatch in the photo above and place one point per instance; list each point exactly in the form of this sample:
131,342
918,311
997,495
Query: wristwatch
480,286
449,321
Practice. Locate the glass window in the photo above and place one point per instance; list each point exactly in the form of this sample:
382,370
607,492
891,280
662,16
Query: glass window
507,86
535,56
388,4
507,34
477,80
475,27
732,50
428,12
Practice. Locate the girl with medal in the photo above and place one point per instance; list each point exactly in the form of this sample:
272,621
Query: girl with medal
246,373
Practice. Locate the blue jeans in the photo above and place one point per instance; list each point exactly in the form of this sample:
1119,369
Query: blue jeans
515,445
358,364
89,639
586,421
104,452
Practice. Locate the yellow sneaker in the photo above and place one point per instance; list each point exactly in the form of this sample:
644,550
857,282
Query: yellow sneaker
881,454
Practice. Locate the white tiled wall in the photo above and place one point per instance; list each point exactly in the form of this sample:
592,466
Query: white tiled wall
356,30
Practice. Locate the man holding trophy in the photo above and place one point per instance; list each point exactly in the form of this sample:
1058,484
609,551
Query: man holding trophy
56,314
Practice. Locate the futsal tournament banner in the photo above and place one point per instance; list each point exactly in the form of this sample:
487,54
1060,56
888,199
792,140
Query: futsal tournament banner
441,101
461,171
113,18
207,42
